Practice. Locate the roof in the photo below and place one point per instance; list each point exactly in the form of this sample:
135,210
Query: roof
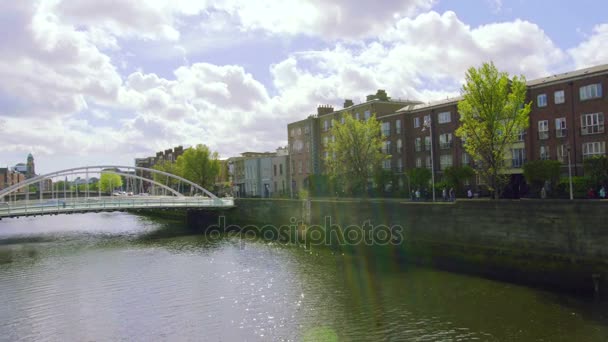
429,105
598,69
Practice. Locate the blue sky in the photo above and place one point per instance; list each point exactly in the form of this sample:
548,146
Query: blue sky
87,82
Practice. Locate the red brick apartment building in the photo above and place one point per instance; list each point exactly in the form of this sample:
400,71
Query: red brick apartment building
567,111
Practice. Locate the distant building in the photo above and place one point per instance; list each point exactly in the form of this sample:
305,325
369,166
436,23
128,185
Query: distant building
10,177
253,173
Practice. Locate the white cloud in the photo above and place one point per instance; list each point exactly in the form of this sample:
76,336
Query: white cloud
593,50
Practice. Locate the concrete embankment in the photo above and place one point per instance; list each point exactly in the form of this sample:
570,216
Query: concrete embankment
559,245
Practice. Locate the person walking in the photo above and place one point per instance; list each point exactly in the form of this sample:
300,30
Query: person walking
417,194
469,194
452,195
444,194
602,193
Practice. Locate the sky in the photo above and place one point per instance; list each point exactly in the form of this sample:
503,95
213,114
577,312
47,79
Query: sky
89,82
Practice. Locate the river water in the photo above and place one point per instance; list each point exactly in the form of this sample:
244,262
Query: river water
116,276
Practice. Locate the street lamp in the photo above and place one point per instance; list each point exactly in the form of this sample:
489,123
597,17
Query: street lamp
428,124
570,173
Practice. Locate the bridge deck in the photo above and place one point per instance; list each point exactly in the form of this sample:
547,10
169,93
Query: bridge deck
99,204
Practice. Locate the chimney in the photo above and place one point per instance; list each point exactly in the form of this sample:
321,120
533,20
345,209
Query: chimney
324,109
348,103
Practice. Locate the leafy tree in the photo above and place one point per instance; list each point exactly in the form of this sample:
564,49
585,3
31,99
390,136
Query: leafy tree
384,179
419,177
455,176
355,153
109,181
596,168
168,167
199,165
538,172
492,114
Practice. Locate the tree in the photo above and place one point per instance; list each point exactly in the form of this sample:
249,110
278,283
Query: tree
419,177
596,168
492,115
168,167
199,165
538,172
109,182
455,176
355,153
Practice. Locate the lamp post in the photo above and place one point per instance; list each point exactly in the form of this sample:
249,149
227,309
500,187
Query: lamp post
428,124
570,173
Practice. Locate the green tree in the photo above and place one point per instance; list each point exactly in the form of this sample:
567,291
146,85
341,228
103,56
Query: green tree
199,165
355,153
419,177
538,172
109,181
596,168
455,176
492,115
169,167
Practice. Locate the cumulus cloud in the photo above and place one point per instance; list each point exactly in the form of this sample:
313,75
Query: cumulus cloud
592,51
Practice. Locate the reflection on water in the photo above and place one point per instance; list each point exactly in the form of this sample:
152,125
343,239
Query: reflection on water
123,277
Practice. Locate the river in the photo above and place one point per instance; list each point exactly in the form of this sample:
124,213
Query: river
117,276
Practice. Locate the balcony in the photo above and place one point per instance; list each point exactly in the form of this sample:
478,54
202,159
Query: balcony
561,133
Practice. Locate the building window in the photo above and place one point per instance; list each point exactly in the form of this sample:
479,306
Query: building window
416,122
519,157
292,132
399,145
386,129
398,126
444,117
559,97
418,144
300,167
541,100
367,114
466,160
418,162
428,162
399,165
562,153
544,153
325,125
342,120
325,155
592,123
543,129
522,135
426,120
445,141
445,160
591,149
307,145
386,149
357,116
560,127
281,169
592,91
427,143
325,141
275,169
306,130
299,132
386,164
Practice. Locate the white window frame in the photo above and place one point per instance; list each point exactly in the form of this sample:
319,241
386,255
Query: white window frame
386,128
559,97
445,160
444,117
418,162
418,144
562,153
445,141
592,123
543,129
518,160
386,164
398,126
560,128
416,122
590,91
399,145
595,148
544,153
367,114
541,100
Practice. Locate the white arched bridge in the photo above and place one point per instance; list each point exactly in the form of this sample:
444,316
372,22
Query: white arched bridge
141,188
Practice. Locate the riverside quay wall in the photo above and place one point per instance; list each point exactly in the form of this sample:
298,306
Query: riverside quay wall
559,245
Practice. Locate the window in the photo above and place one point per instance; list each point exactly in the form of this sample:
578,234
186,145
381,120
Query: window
591,149
299,131
293,167
386,148
399,165
428,162
367,115
445,160
541,100
444,117
281,169
306,130
427,143
342,120
398,126
416,122
522,135
300,167
592,91
445,141
386,129
562,153
466,160
307,146
399,145
418,162
325,155
275,170
325,125
560,127
559,97
543,129
357,116
592,123
418,144
427,120
325,141
386,164
519,157
544,153
292,132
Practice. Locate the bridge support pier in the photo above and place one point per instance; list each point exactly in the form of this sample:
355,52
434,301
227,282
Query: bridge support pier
201,220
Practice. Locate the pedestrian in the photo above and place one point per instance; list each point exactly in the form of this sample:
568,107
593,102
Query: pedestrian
543,193
452,194
602,193
469,194
590,193
444,194
417,194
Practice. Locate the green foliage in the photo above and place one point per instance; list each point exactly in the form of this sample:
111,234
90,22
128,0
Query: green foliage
198,165
596,168
538,172
455,176
322,185
580,186
109,182
419,177
355,154
385,182
492,114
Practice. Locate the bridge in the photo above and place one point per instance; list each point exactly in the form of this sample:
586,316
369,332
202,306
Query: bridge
144,189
